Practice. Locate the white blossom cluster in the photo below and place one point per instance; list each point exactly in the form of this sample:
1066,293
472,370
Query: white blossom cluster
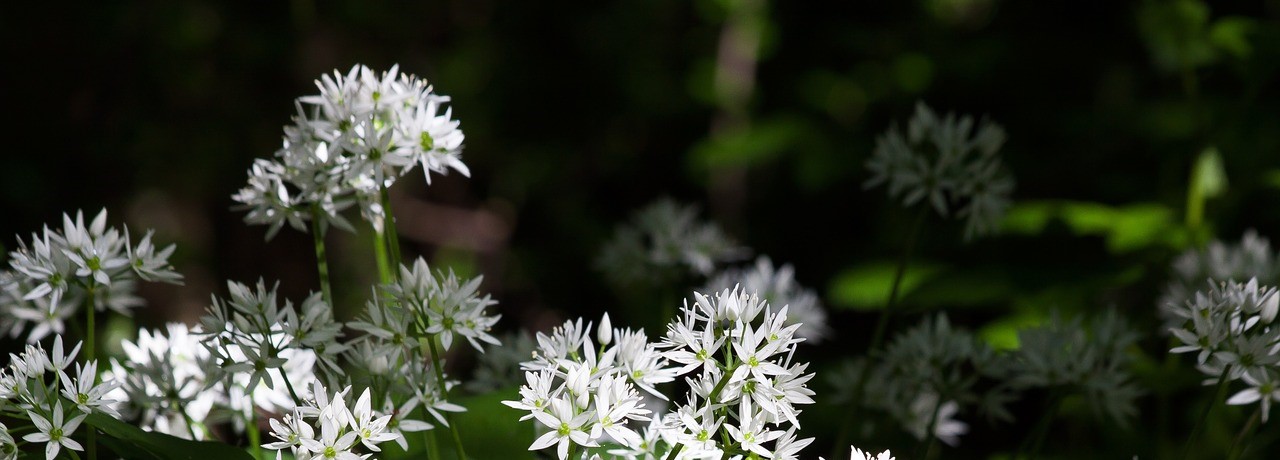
59,270
858,454
37,387
584,394
323,427
1231,329
347,145
1252,258
945,161
164,382
743,387
401,332
251,334
665,242
778,286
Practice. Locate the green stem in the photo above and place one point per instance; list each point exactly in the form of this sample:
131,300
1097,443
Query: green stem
882,326
254,436
393,237
444,391
922,451
573,449
322,260
674,451
380,253
1245,432
1208,410
91,355
289,385
1036,440
433,451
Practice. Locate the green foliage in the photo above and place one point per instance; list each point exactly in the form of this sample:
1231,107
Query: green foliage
865,287
1126,228
131,443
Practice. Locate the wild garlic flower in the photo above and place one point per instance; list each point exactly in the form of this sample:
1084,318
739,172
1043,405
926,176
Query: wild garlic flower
585,395
1252,258
58,270
362,132
858,454
8,448
55,430
325,427
1090,358
665,242
778,286
744,390
404,327
933,368
165,382
37,388
1230,328
262,350
944,161
441,305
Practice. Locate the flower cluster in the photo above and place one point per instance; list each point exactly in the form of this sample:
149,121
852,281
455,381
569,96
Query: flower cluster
778,286
1073,355
60,270
1253,258
415,321
251,334
743,388
944,161
857,454
1230,328
39,397
165,382
665,242
347,145
927,376
323,427
586,394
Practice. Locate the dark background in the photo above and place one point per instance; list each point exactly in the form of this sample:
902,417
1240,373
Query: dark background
577,113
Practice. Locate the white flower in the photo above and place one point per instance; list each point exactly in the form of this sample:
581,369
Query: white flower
857,454
1264,390
55,434
368,425
945,428
87,396
8,448
566,427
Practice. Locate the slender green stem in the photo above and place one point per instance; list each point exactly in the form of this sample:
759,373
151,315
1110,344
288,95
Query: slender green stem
385,275
882,326
1238,446
675,451
322,260
254,436
90,355
573,449
289,385
444,390
433,451
1035,440
922,450
1208,410
393,237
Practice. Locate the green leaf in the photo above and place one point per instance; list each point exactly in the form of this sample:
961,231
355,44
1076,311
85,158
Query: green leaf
1208,180
491,430
1002,334
1126,228
131,443
1230,34
866,287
